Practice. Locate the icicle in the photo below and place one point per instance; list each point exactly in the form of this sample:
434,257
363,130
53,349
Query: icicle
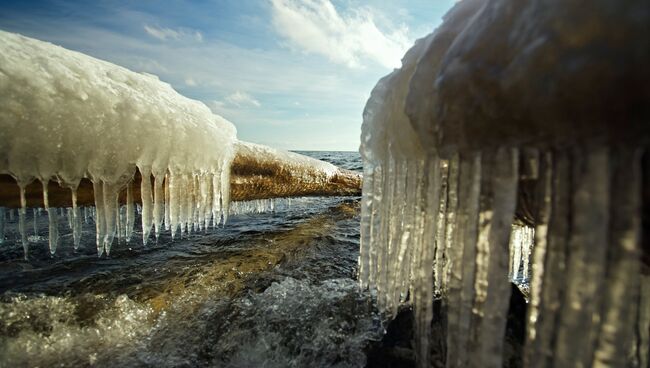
147,204
189,202
191,210
86,215
417,186
11,214
225,192
498,200
412,221
197,217
423,263
167,202
586,264
450,221
76,220
68,217
385,234
185,199
53,220
203,200
120,221
461,282
196,195
130,212
35,217
111,206
100,222
527,239
539,350
207,190
545,195
396,226
521,244
366,206
254,206
22,214
515,253
174,202
158,204
375,224
216,199
438,262
616,330
2,225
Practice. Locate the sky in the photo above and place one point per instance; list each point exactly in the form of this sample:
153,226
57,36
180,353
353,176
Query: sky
291,74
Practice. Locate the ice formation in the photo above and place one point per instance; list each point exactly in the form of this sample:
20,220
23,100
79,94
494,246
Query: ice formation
260,172
66,116
506,91
522,240
149,153
293,163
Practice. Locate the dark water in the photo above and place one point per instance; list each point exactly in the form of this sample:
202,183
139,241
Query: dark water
274,289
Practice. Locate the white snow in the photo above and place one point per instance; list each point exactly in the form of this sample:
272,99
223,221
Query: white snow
292,162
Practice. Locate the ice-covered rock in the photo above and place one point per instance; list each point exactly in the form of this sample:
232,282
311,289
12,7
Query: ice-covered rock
535,104
94,133
66,116
260,173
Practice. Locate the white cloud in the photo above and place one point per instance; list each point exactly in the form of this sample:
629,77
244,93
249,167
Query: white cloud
189,81
167,34
218,107
241,99
232,105
315,26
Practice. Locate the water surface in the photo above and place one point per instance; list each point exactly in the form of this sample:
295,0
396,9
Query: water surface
274,289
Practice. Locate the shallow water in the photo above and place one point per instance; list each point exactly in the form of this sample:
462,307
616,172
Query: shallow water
274,289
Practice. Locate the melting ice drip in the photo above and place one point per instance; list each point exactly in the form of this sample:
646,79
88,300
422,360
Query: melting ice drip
439,205
259,205
67,116
522,240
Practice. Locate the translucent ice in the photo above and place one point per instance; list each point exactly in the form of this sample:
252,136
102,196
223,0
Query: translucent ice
508,144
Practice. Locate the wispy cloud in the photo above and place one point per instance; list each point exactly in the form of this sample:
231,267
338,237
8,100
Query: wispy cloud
242,99
316,26
167,34
234,104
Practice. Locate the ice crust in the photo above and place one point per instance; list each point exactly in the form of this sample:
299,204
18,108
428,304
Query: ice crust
294,163
480,105
66,116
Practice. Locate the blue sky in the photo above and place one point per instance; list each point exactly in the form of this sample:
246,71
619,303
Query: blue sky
292,74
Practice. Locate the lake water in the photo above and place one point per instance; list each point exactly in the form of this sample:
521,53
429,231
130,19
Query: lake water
274,289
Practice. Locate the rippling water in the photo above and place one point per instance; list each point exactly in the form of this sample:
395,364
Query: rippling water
269,290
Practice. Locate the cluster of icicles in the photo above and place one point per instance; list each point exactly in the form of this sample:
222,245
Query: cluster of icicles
259,205
164,210
176,203
440,201
589,302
